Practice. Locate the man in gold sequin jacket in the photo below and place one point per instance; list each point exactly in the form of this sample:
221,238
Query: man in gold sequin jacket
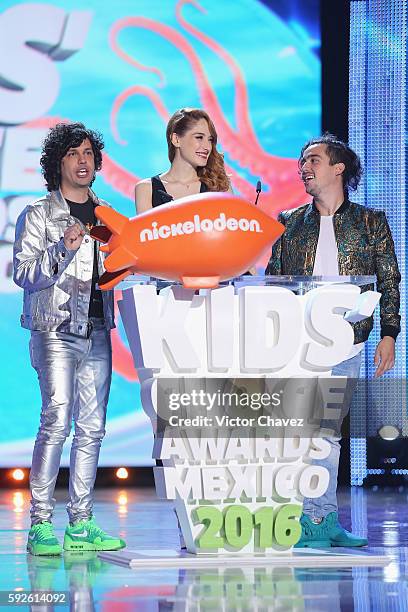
331,236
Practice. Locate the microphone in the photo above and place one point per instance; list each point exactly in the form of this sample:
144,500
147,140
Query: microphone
258,191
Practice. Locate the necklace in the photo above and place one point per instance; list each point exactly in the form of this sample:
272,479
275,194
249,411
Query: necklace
187,185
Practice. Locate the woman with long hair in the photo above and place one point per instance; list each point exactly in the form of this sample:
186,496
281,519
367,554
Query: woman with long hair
196,165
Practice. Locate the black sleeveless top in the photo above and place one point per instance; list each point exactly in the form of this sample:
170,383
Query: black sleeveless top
160,195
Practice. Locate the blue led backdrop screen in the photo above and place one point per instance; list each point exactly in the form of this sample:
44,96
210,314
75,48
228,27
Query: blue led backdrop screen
378,132
123,68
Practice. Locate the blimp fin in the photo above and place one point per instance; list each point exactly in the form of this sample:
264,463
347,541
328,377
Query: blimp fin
119,259
111,218
200,282
108,280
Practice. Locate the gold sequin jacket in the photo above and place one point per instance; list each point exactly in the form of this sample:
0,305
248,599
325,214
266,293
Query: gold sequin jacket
365,247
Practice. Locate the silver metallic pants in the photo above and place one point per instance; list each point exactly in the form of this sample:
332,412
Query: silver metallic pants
74,375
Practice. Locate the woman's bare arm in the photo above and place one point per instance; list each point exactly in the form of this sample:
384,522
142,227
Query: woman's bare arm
143,196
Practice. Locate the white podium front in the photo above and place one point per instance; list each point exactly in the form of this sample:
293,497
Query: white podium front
230,379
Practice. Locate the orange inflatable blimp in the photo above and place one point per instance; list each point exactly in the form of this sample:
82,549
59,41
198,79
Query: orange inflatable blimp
199,240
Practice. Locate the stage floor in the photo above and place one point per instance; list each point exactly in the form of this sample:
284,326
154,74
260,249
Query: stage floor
146,523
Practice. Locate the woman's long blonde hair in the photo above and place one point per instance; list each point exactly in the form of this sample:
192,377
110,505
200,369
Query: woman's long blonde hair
213,174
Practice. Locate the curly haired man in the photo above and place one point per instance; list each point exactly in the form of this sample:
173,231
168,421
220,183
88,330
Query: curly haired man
58,266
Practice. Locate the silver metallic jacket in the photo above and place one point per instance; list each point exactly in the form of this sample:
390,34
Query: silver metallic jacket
56,281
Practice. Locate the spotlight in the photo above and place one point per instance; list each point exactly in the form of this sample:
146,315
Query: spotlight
122,473
18,474
389,432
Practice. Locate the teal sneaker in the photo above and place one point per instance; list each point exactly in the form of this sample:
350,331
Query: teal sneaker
339,536
326,534
314,535
42,540
86,535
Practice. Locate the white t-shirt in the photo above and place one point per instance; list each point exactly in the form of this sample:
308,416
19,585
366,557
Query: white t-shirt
326,260
326,263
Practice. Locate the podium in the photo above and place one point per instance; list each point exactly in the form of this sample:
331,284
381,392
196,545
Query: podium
230,379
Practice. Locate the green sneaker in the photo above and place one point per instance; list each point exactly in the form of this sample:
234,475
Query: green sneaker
42,540
339,536
86,535
314,535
